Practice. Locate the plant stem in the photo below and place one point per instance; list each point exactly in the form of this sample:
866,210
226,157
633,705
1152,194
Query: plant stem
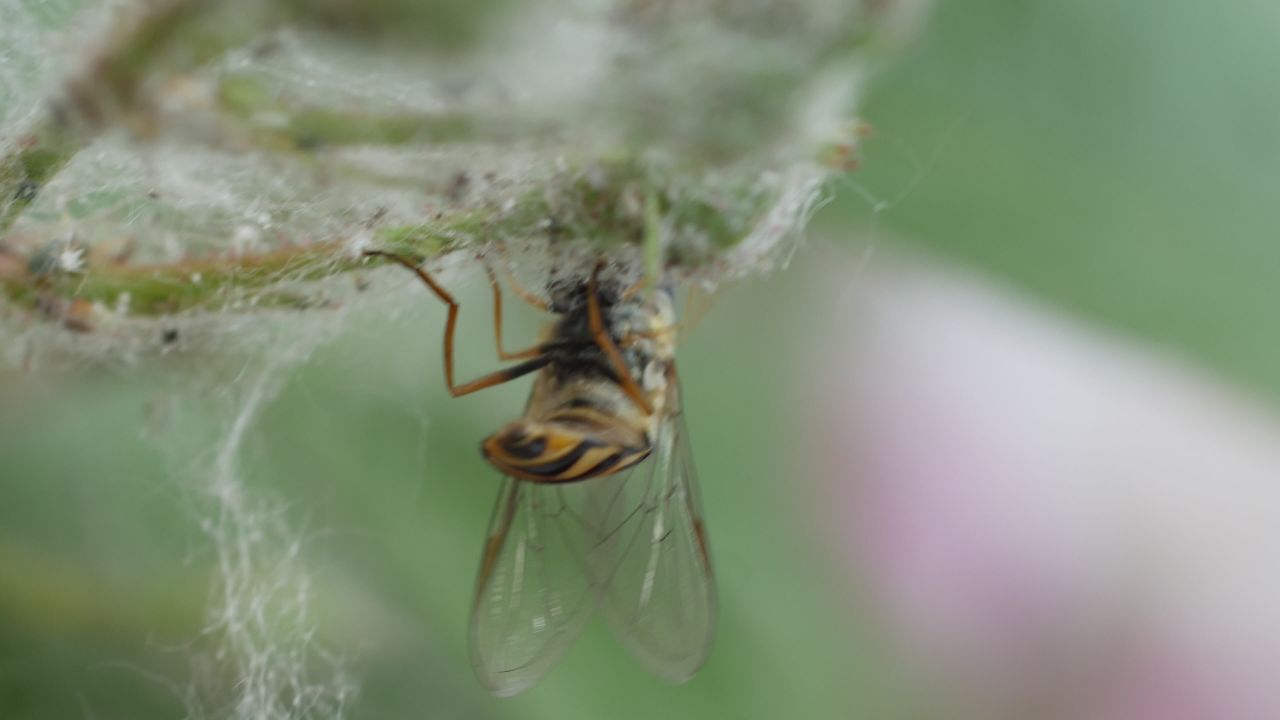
610,205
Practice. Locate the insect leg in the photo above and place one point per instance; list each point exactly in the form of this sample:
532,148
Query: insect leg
451,324
524,293
637,287
497,323
499,377
607,345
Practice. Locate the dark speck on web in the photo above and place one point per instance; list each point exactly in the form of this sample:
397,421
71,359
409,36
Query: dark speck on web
26,191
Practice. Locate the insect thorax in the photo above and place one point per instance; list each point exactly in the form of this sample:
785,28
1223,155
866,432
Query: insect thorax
580,422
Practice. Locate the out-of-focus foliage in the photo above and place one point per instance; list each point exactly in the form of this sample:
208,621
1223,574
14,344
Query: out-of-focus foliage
1118,158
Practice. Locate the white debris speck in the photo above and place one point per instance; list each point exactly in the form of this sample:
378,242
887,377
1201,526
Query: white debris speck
71,259
359,242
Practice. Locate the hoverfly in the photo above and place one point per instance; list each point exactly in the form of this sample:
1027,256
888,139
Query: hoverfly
599,505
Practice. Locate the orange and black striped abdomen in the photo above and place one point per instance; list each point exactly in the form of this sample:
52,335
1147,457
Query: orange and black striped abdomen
550,454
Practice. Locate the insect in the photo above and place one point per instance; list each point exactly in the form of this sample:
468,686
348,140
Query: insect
599,506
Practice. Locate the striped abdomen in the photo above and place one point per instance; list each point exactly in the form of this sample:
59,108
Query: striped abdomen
553,452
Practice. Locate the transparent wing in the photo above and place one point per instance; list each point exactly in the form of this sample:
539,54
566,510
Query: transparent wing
533,594
652,564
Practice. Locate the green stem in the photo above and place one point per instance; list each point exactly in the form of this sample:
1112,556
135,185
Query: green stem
621,203
212,282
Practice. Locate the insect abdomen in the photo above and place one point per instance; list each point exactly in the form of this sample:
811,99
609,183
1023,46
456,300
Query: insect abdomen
551,455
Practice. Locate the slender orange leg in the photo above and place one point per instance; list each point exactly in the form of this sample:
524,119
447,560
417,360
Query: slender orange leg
534,351
525,294
631,291
451,324
606,343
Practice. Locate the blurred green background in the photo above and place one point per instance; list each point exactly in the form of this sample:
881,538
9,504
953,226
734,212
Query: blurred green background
1119,159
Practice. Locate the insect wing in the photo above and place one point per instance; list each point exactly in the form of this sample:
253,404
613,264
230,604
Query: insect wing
653,565
533,594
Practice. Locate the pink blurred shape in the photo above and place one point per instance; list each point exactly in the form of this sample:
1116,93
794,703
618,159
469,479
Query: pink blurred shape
1055,521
